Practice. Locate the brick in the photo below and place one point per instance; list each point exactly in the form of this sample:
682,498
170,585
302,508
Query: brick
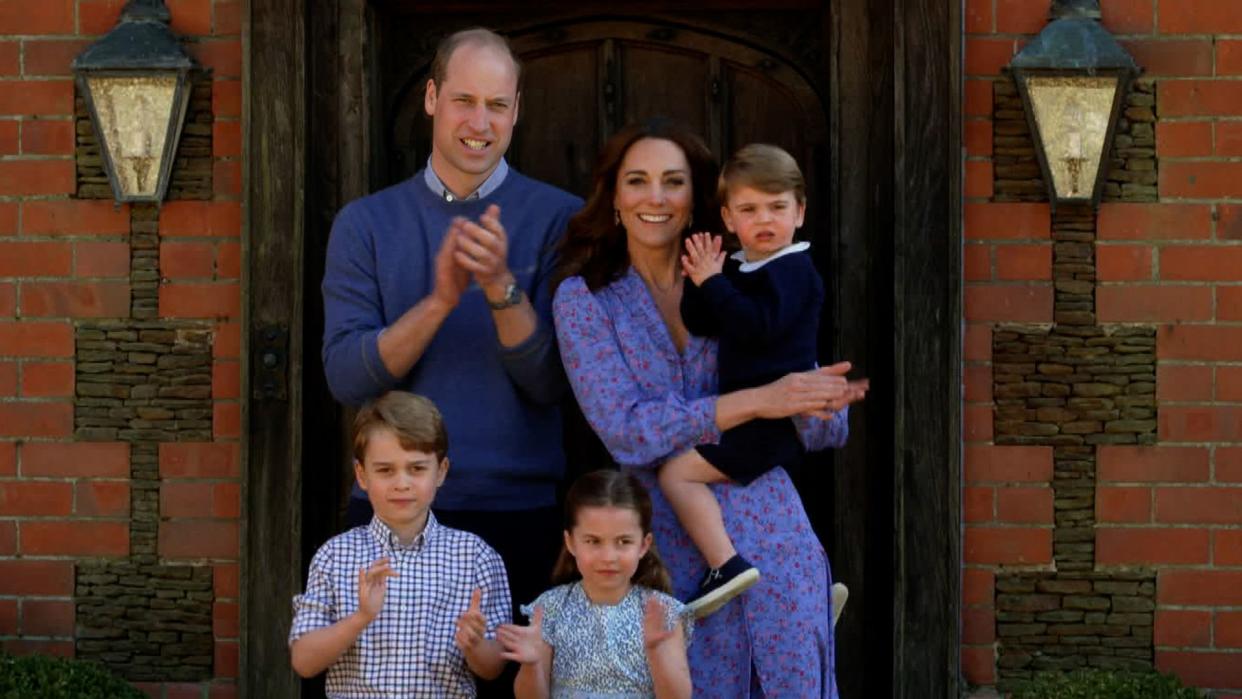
200,300
8,459
8,379
978,138
45,617
978,587
52,17
978,98
977,342
1228,629
75,459
22,646
978,504
10,57
36,339
1229,383
226,619
228,261
1153,303
1201,179
35,498
36,419
1024,505
226,341
1183,139
978,423
186,499
226,98
226,139
223,57
1008,221
1201,17
988,56
36,97
98,16
226,420
1154,222
75,299
226,500
199,538
226,690
1024,262
226,581
227,659
1013,304
8,300
979,16
180,260
1123,262
201,219
1008,464
226,177
1199,97
1228,56
101,259
8,218
102,499
10,137
1123,505
1228,464
977,262
978,179
1198,669
47,380
8,617
74,538
51,58
182,691
228,18
1008,545
74,217
1164,57
1201,342
1127,16
47,137
1182,628
41,259
1229,138
1199,505
226,380
979,665
977,380
190,16
1176,382
1230,226
1227,547
1201,424
1150,546
36,177
1021,16
32,577
1160,464
200,460
978,625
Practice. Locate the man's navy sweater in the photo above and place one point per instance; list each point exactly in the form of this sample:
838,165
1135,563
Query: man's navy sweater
499,404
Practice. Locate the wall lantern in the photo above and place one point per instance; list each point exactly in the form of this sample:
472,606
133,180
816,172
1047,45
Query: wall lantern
134,80
1073,78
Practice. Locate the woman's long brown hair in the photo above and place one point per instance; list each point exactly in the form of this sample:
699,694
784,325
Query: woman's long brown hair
594,246
609,488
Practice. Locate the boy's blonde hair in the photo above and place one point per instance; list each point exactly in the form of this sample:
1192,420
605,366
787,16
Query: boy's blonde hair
764,167
414,419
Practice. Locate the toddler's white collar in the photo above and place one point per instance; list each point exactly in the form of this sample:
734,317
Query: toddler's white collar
740,256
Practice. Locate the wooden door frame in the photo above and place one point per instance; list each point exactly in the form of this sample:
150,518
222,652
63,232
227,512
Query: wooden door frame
895,113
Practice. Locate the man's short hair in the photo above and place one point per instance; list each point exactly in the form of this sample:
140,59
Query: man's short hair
414,419
764,167
475,36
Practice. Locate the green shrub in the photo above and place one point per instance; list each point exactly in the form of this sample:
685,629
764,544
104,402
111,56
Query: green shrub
43,677
1103,684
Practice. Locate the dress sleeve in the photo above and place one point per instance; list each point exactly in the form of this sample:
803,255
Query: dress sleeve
316,608
817,433
638,428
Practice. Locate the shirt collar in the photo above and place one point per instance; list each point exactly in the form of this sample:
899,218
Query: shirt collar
740,256
385,536
489,185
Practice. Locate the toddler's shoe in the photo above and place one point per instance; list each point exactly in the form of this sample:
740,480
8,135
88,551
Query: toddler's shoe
722,584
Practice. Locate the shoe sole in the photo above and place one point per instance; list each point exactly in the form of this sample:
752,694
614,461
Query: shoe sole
714,600
840,594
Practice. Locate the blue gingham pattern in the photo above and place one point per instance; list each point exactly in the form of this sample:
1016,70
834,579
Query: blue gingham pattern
408,650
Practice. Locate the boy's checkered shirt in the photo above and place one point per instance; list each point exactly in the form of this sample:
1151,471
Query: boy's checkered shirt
408,650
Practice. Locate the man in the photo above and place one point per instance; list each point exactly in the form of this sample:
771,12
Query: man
439,286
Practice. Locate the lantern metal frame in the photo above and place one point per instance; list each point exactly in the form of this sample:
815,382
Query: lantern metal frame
141,45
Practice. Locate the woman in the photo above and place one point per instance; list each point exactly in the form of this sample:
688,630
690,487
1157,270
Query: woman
648,388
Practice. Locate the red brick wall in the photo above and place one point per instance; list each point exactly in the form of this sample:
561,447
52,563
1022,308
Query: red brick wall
63,259
1177,264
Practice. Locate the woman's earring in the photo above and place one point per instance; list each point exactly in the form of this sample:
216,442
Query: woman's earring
616,217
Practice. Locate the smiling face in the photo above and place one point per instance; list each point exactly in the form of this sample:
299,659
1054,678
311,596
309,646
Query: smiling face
473,112
764,223
400,483
654,196
607,543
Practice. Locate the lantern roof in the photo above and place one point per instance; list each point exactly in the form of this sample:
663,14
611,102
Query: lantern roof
1074,41
141,39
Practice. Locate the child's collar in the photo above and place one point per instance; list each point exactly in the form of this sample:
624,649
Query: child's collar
740,256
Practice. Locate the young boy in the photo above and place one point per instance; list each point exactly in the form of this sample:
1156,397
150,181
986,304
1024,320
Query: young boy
764,305
403,606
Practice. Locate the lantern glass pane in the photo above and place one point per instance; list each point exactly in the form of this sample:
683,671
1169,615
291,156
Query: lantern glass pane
1072,113
133,114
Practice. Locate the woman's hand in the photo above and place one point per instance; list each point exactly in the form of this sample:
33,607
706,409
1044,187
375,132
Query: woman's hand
523,644
704,257
820,393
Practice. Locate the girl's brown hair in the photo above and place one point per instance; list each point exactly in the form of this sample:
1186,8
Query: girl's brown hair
609,488
594,246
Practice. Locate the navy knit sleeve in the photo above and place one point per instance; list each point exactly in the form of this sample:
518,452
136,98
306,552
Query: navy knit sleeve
696,313
791,286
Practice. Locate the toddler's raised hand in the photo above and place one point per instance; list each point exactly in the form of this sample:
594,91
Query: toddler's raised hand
704,257
522,643
372,584
471,625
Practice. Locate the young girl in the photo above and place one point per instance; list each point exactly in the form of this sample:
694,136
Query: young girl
609,628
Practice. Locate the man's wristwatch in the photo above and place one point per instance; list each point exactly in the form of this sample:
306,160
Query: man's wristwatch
512,297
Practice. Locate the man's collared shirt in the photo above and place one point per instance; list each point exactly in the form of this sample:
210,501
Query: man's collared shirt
408,650
489,185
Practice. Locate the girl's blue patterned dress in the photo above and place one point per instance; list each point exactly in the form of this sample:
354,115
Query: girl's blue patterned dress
598,648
